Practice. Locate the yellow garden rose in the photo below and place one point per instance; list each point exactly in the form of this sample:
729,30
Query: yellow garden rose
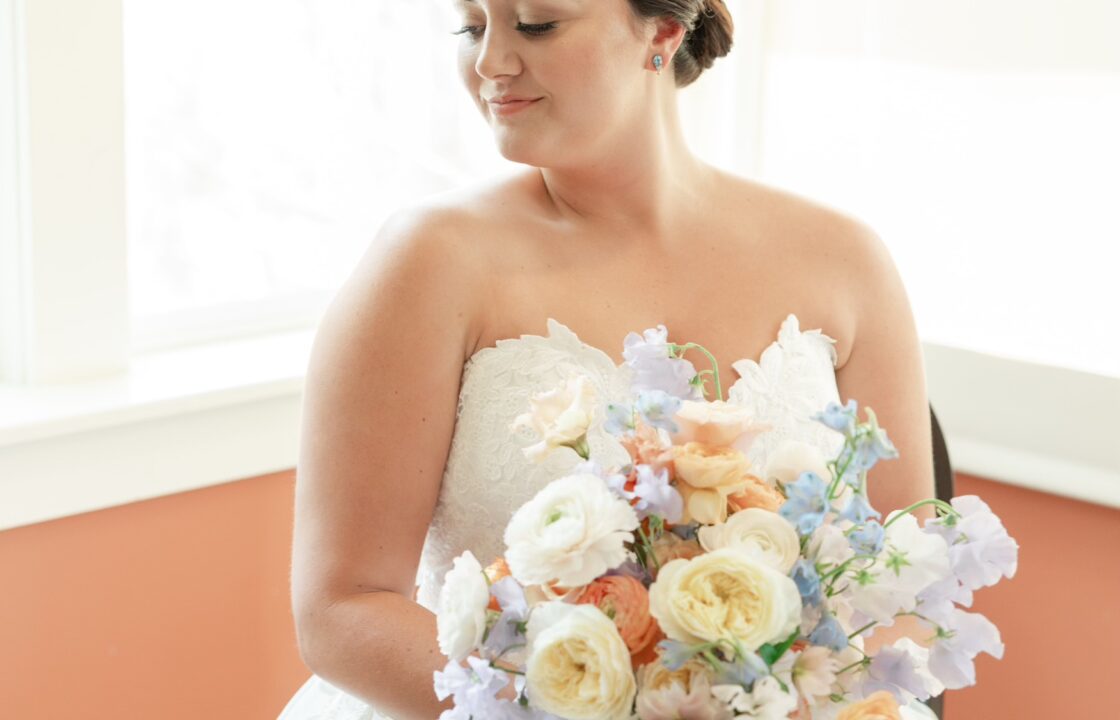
579,666
879,706
724,594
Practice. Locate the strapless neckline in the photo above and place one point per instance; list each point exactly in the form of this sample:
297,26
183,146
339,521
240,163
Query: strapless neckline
562,336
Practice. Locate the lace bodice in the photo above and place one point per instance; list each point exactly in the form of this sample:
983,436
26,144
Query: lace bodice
488,477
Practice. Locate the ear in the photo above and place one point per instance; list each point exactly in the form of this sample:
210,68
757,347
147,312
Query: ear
667,37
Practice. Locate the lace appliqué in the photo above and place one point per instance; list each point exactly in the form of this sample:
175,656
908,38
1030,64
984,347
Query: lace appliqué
793,379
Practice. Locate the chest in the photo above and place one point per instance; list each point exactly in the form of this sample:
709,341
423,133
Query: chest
725,288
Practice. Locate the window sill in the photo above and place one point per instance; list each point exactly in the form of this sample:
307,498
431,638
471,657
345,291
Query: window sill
190,418
177,420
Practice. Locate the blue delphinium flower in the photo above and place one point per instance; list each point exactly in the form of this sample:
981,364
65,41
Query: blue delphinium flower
840,418
808,581
656,496
867,539
858,509
674,654
829,633
620,419
657,409
807,502
743,672
654,366
873,445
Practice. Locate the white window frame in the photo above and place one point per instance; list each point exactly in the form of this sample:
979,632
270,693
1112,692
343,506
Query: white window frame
86,430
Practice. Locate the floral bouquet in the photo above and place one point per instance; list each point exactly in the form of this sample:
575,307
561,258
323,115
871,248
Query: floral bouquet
689,584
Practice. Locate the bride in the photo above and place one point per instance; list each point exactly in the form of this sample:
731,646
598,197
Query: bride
437,339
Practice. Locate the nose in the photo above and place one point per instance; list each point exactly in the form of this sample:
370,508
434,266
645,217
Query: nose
496,55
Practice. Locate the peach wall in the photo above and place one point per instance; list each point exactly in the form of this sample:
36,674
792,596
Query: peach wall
177,608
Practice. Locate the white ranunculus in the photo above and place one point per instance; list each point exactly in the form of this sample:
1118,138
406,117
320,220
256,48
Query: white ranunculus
790,459
722,594
461,618
560,417
760,533
570,533
579,666
911,560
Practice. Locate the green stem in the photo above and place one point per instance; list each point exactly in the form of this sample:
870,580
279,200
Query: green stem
711,359
940,504
865,627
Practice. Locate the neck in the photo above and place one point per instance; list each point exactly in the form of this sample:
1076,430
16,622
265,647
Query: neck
643,187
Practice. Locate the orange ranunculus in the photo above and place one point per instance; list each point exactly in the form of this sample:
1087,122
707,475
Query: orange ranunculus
625,600
495,571
878,706
649,653
756,494
670,547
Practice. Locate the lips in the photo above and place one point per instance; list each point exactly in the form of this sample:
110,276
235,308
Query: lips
508,107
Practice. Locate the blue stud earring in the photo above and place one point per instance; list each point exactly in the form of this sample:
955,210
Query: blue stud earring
657,63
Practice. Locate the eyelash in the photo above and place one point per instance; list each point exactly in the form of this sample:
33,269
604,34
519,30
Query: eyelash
529,29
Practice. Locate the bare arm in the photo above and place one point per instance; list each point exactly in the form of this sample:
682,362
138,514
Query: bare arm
379,411
886,372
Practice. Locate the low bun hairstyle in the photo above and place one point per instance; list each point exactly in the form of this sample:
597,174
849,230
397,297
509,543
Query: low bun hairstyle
709,30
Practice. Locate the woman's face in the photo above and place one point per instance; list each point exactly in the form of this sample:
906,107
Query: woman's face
582,63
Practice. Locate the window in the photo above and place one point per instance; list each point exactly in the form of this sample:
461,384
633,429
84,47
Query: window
266,142
980,141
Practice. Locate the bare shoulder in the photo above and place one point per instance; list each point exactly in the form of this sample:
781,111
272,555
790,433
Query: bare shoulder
838,259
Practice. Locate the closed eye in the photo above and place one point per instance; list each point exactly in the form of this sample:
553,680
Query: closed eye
476,30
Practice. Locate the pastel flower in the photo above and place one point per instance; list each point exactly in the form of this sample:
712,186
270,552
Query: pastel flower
807,502
814,672
896,670
671,546
980,550
910,561
755,494
657,409
560,417
625,601
474,690
717,423
765,701
579,666
461,617
842,419
791,458
569,533
828,546
724,594
513,607
829,633
808,582
858,509
964,636
760,533
879,706
656,496
872,446
684,692
707,475
867,539
654,366
649,446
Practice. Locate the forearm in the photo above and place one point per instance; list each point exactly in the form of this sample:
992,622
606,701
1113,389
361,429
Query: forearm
382,648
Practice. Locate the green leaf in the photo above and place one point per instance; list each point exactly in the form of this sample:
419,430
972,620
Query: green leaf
770,653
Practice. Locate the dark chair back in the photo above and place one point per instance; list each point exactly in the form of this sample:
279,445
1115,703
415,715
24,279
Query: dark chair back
943,479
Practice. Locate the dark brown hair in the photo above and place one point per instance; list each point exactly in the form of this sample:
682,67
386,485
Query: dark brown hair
708,33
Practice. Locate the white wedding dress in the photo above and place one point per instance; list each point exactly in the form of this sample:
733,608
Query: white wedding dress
487,477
